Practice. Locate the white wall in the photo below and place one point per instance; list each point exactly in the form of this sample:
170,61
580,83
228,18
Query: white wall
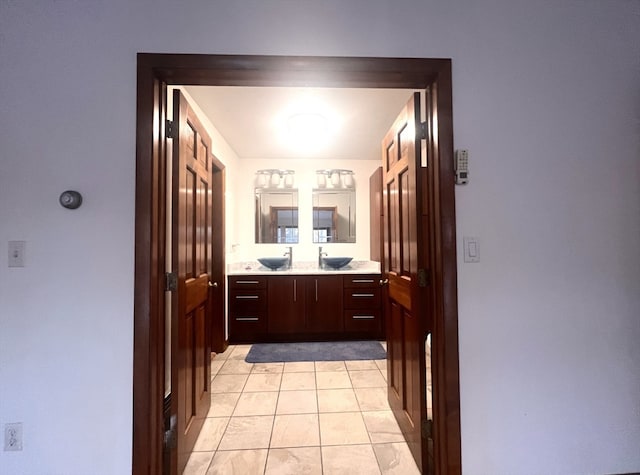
546,99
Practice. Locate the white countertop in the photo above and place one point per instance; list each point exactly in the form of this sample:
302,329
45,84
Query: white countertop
302,268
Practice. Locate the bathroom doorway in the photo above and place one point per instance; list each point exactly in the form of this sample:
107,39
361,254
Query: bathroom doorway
155,72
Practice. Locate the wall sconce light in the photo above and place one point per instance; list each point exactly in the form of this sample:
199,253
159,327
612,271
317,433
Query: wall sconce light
338,178
272,178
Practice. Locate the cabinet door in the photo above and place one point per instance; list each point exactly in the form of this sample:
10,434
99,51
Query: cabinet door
286,304
324,304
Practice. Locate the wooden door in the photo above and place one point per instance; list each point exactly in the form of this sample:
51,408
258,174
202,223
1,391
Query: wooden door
192,259
404,245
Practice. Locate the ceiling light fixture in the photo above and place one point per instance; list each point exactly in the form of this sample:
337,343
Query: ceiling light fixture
307,128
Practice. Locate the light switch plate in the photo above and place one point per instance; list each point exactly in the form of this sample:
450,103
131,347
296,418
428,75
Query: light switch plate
17,250
471,249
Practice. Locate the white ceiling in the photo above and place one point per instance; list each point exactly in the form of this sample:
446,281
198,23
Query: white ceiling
253,119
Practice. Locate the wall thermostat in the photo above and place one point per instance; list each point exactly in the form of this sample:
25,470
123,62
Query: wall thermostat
462,167
70,199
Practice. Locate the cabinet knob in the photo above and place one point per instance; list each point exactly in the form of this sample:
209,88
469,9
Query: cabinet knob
384,282
213,284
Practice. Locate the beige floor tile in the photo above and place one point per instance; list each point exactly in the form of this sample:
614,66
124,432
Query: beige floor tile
235,367
238,462
360,365
211,433
384,345
257,404
239,352
198,463
349,460
330,366
382,427
215,366
228,383
367,379
263,382
395,459
299,367
372,399
223,404
382,365
293,381
295,430
267,368
343,428
297,402
337,400
225,355
251,432
333,380
294,461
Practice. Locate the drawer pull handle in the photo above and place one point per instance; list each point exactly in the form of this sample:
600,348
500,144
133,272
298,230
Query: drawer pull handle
362,281
247,282
362,295
247,297
363,317
247,319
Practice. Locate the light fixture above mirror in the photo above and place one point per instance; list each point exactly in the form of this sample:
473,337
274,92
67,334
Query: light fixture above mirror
335,178
274,178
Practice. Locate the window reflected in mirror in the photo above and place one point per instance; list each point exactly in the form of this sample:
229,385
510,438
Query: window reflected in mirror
276,216
334,216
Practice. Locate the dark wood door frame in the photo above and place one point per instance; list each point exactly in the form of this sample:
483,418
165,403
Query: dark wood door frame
154,73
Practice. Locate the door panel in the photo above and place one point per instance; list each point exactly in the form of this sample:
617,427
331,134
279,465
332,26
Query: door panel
192,260
404,301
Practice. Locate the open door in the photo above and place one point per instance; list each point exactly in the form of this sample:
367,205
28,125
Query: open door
192,261
404,266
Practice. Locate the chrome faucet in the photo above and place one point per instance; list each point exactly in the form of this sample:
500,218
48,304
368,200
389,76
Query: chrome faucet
320,254
290,254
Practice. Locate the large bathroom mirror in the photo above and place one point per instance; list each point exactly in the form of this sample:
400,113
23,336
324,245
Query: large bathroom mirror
276,215
334,215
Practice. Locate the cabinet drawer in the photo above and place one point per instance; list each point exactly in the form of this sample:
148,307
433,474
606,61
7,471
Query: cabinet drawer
361,280
247,300
247,326
362,298
247,282
363,321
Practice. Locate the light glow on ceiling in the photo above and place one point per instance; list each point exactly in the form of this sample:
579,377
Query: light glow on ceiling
307,125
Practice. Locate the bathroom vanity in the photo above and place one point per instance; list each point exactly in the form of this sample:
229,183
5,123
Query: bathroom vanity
304,303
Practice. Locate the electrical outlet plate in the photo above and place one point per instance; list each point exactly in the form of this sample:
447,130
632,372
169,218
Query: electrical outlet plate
13,436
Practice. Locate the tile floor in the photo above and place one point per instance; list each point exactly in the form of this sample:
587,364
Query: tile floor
299,418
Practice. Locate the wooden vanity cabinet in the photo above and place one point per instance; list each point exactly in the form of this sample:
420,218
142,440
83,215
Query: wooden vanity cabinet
363,306
324,304
304,307
247,308
286,307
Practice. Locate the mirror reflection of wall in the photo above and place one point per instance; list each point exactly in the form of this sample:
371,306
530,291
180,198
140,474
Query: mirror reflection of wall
276,216
334,216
